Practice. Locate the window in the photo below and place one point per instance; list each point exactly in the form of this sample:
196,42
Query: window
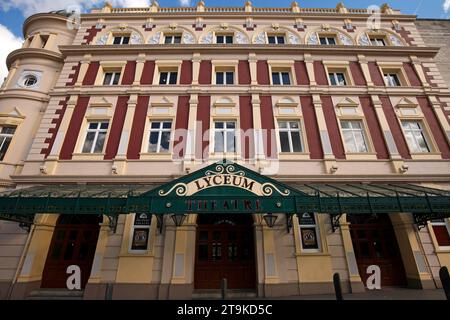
354,137
309,232
168,77
29,80
392,80
111,78
441,232
224,39
337,79
415,136
224,77
376,41
290,136
95,137
159,139
281,78
274,39
6,134
121,39
171,39
140,231
224,136
327,40
44,40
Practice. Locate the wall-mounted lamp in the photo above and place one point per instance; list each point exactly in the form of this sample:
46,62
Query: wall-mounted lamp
270,219
178,219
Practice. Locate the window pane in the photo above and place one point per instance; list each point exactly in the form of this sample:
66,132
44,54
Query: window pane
296,141
117,40
165,141
271,39
219,39
100,142
293,125
168,39
286,79
323,41
173,78
422,143
8,130
126,40
341,79
104,125
280,40
155,125
276,78
219,125
167,125
5,146
116,78
177,39
218,141
331,41
87,147
153,142
360,142
349,142
219,77
332,79
231,125
230,77
107,79
282,124
229,39
163,78
345,124
231,145
284,142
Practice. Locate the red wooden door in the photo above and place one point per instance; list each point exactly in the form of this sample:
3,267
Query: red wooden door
225,249
73,243
374,243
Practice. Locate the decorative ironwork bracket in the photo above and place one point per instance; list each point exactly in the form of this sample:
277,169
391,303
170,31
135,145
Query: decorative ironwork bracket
25,226
113,222
289,217
160,222
422,219
335,221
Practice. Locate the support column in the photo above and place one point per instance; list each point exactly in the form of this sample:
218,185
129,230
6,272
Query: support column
330,160
83,69
440,116
120,161
417,272
195,68
52,159
11,73
356,284
189,157
252,60
33,266
365,69
51,42
396,159
270,261
140,61
258,132
419,70
310,69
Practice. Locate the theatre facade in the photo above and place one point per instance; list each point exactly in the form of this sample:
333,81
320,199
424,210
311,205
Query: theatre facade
161,150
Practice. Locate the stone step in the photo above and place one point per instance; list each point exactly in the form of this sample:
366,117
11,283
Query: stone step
55,294
217,294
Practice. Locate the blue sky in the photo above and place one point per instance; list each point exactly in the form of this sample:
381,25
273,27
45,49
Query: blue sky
14,12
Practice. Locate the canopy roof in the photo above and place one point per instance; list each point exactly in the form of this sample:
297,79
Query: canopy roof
224,188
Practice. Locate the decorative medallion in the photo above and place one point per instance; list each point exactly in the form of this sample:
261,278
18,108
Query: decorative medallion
395,40
364,40
345,40
155,38
208,38
188,38
241,38
313,39
293,39
260,38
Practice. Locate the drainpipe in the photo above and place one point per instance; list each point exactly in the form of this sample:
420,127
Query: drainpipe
21,262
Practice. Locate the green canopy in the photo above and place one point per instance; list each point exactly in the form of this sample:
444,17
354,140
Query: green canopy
225,188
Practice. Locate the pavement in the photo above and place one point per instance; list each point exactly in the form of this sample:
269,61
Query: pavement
383,294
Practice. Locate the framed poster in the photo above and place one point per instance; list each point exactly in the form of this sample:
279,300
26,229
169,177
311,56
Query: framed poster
309,238
140,239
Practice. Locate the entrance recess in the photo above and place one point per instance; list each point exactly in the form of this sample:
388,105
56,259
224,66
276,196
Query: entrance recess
74,242
225,248
375,243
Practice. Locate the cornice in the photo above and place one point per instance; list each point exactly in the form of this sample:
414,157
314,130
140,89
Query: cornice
33,53
231,15
246,48
41,16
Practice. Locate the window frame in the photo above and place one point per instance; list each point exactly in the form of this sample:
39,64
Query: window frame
327,37
87,130
276,36
335,78
280,77
431,225
225,130
172,36
364,131
316,227
113,77
4,137
122,36
169,74
225,36
289,131
425,134
135,226
160,131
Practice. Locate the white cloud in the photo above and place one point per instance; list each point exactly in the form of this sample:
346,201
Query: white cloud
446,5
29,7
9,43
185,3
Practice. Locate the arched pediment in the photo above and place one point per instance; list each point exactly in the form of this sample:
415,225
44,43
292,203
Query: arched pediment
343,38
240,36
390,38
260,36
187,37
105,37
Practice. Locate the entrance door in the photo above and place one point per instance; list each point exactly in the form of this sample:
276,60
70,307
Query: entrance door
375,243
74,242
225,249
